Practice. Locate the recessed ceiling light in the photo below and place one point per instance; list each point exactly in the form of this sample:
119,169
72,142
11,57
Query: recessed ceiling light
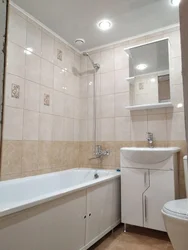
79,41
104,25
141,66
175,2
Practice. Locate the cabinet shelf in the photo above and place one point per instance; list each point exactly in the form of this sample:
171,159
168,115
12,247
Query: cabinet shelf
150,106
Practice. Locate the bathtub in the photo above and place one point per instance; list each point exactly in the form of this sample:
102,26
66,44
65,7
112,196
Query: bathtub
67,210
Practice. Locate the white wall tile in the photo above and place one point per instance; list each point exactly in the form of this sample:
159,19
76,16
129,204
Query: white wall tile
83,130
17,29
69,129
90,80
107,129
121,84
107,60
69,59
158,126
83,86
121,58
45,127
138,128
90,109
44,108
47,46
31,125
83,65
14,99
47,73
16,67
34,37
77,130
13,123
33,70
58,103
177,97
175,126
122,129
69,106
175,44
58,128
107,106
77,108
83,108
107,83
32,96
176,71
121,101
59,79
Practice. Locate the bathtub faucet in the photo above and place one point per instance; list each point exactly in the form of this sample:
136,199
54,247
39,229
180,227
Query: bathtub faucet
99,152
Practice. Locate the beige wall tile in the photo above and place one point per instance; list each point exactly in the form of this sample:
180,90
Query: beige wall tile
11,158
30,156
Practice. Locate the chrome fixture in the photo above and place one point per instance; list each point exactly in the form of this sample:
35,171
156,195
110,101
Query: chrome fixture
96,176
96,66
150,140
99,152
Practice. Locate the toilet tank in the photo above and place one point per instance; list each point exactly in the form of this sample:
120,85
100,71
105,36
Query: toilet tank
186,174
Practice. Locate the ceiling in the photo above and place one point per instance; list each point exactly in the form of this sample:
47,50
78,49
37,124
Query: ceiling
73,19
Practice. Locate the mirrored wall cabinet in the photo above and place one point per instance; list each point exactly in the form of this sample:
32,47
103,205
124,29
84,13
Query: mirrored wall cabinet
149,77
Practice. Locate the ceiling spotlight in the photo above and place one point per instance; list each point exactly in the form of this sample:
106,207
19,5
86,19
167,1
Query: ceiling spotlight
141,66
175,2
104,25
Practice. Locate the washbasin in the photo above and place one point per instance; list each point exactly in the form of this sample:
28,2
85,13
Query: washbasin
148,155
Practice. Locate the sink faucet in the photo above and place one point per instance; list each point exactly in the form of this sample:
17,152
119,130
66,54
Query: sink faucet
150,140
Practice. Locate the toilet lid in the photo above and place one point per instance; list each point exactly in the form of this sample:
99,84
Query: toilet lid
177,208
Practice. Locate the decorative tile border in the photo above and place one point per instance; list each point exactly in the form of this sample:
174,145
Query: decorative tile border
15,91
46,99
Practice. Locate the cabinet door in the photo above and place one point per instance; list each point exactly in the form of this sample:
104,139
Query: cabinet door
116,201
161,190
99,210
134,183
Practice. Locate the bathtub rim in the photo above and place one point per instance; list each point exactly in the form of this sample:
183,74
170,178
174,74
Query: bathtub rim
58,194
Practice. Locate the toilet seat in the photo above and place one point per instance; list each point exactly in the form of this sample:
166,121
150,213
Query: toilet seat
177,209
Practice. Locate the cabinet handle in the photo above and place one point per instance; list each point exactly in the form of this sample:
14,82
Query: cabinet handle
145,178
145,208
84,216
90,215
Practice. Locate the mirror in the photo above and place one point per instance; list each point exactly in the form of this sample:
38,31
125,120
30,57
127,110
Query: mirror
149,73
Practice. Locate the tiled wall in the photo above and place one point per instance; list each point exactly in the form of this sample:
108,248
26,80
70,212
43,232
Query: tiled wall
48,119
117,126
41,111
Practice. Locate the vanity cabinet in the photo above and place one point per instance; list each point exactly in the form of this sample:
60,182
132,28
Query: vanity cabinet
145,188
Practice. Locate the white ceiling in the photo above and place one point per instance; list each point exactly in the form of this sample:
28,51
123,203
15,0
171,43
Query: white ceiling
73,19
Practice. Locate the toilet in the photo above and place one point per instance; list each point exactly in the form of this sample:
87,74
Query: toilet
175,214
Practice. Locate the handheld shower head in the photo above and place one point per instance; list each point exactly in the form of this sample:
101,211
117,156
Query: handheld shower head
96,66
85,54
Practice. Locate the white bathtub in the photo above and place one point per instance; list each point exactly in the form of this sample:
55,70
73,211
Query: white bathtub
70,210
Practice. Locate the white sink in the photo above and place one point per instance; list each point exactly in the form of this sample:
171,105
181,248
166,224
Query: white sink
148,155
